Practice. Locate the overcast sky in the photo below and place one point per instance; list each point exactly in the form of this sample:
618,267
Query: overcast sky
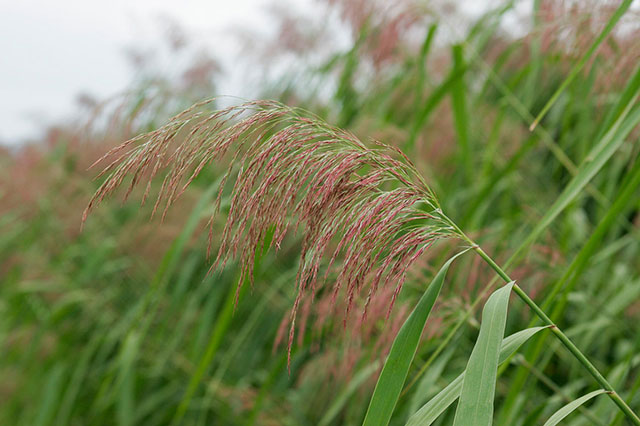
50,51
53,50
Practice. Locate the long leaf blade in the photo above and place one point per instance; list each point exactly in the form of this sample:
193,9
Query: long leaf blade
341,400
595,160
624,6
429,412
479,385
571,407
396,367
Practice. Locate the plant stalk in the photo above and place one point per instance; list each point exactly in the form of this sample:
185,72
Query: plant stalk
602,381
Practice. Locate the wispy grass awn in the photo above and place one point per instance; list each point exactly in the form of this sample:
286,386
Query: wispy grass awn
367,205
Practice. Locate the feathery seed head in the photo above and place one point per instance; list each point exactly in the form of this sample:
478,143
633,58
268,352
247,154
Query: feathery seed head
365,207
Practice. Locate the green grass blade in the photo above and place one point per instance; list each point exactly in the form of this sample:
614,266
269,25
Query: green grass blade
479,385
421,65
513,342
436,406
243,336
433,373
575,270
343,397
73,387
432,409
404,347
171,259
629,92
624,6
459,95
595,160
126,395
434,99
570,407
278,368
221,326
50,395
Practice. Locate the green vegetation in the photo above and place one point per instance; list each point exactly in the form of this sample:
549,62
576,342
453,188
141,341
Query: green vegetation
128,323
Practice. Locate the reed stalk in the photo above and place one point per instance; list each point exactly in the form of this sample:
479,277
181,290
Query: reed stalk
557,332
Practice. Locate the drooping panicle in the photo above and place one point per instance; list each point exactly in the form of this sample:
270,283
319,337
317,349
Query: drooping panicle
364,211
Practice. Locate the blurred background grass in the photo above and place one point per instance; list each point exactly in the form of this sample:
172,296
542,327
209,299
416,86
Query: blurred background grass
120,323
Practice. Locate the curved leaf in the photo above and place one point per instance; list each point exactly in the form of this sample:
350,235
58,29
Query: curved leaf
620,11
570,407
478,388
396,367
343,397
436,406
512,343
432,409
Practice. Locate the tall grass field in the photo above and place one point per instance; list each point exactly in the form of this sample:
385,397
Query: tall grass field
436,224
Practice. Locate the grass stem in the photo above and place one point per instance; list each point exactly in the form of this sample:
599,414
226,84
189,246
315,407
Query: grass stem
602,381
595,373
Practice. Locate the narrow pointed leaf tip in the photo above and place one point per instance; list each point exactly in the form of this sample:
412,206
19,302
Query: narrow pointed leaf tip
475,407
366,207
559,415
430,411
396,367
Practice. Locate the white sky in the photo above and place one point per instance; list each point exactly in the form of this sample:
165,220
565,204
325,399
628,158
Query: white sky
52,50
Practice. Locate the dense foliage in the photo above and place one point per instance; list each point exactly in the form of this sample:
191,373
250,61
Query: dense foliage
123,323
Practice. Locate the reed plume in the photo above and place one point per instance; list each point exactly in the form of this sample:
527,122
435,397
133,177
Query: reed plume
362,206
